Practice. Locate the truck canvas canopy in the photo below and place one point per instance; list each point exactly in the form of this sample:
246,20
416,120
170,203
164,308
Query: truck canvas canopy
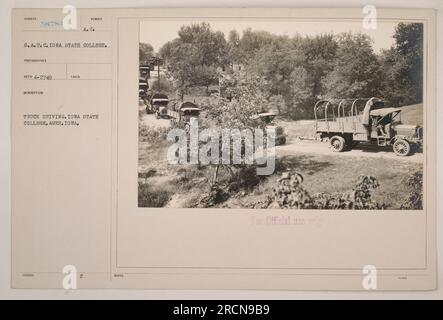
385,111
189,106
160,99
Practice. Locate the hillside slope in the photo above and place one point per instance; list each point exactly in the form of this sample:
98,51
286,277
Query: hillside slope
412,114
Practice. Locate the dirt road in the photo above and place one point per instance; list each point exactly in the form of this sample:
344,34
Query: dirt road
316,147
305,128
296,146
150,120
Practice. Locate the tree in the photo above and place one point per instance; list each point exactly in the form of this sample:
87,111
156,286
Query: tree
205,76
356,70
233,46
302,94
294,70
276,65
182,67
403,66
165,51
249,97
277,104
210,45
248,94
319,55
146,51
193,57
253,41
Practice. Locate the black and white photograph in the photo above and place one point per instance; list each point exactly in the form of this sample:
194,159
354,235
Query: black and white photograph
278,114
288,151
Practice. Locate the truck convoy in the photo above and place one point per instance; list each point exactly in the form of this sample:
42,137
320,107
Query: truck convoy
349,122
180,114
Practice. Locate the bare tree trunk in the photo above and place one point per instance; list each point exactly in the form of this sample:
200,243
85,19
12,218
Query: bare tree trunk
215,177
182,94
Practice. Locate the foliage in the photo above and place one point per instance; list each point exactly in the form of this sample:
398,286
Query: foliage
248,98
301,98
277,104
205,76
164,87
293,68
297,71
247,94
247,48
150,134
193,57
152,197
356,70
403,66
414,200
290,194
146,51
215,196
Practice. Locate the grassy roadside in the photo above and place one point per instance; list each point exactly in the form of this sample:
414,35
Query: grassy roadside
162,184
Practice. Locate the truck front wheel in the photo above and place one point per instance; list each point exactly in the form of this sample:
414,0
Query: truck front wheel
338,143
281,141
401,147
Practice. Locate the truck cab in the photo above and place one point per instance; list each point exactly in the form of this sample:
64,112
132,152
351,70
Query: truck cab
348,122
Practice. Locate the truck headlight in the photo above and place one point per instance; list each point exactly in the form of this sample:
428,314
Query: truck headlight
419,133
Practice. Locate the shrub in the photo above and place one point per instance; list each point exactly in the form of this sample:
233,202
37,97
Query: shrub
150,198
243,177
150,134
230,181
414,200
290,194
216,195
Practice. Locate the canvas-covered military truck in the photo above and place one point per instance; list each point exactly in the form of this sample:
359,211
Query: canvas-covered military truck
145,71
268,119
159,105
182,114
348,122
143,88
